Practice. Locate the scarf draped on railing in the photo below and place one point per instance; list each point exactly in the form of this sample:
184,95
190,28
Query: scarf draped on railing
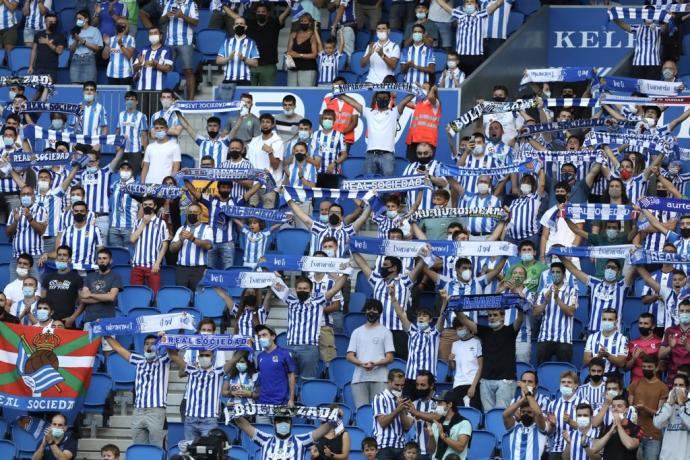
489,107
141,324
665,204
596,211
323,414
278,262
60,107
406,88
227,174
233,279
167,192
525,167
387,184
491,213
441,248
194,107
36,132
647,14
242,212
205,342
551,74
32,81
488,302
645,256
661,144
619,251
641,85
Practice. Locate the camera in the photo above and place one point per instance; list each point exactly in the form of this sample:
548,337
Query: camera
207,448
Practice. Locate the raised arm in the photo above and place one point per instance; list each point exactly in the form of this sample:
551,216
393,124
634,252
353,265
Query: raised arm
243,424
300,214
398,309
491,9
623,25
649,281
347,99
362,264
577,273
118,348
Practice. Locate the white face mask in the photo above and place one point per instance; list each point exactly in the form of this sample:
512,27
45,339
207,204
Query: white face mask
442,411
582,422
205,362
466,274
526,189
382,35
43,185
483,188
650,121
452,64
396,393
125,175
22,272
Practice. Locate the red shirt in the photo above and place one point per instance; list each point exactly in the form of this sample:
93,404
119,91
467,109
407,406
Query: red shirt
679,354
649,346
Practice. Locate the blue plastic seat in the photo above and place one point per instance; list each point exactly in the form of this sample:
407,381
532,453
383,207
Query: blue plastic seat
6,252
122,372
493,423
125,272
281,339
341,344
340,371
24,442
362,285
521,367
357,300
8,449
482,445
355,454
3,228
172,80
527,7
473,415
550,374
204,18
355,65
632,309
167,276
19,57
209,42
187,161
353,167
134,297
364,416
120,255
170,297
4,274
97,394
239,453
515,20
352,321
292,241
397,364
315,392
190,311
209,303
67,19
175,433
144,451
442,370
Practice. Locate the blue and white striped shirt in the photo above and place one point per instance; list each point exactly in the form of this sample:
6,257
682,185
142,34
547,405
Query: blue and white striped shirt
559,407
420,55
124,208
132,125
580,440
647,43
428,406
150,78
26,239
237,192
526,443
524,216
394,434
497,23
656,308
469,183
84,242
469,38
616,344
35,20
328,65
95,117
308,172
411,170
51,202
217,148
604,295
655,241
450,75
7,17
342,234
190,254
556,326
293,447
303,319
422,347
245,323
236,69
96,188
67,219
403,285
203,391
322,287
593,395
120,66
221,224
254,245
179,32
151,381
385,223
328,146
481,224
148,246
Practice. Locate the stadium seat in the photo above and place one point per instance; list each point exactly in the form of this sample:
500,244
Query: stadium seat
357,300
120,255
175,433
144,451
550,374
281,339
209,303
355,454
24,442
167,275
578,329
350,77
340,371
4,274
125,272
8,449
473,415
521,367
362,40
355,65
398,364
341,344
632,309
172,80
364,416
493,423
204,17
441,59
122,372
6,252
187,161
482,445
292,241
315,392
67,20
527,7
3,229
134,297
19,58
97,393
173,451
357,435
352,321
582,310
515,20
578,352
239,453
362,285
170,297
442,370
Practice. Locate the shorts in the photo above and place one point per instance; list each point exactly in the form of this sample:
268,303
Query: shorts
8,36
29,35
153,9
185,54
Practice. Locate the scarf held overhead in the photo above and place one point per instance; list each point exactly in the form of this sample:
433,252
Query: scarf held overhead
60,107
528,130
595,211
231,279
141,325
441,248
242,212
665,204
641,85
406,88
167,192
229,174
491,213
33,81
324,414
36,132
22,159
277,262
525,167
552,74
389,184
645,256
489,107
205,106
205,342
647,14
488,302
619,251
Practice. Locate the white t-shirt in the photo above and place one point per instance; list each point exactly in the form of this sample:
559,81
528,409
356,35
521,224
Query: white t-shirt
370,344
562,233
511,124
438,14
378,69
467,354
260,159
13,291
381,128
160,157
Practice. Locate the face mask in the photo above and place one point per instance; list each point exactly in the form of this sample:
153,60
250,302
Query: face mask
648,373
241,367
323,218
674,171
261,17
12,94
650,121
384,272
685,232
166,103
224,194
525,189
527,257
483,188
557,278
396,393
125,175
469,9
626,174
88,97
334,219
582,422
60,265
150,355
264,342
79,218
43,185
120,28
234,154
463,333
303,296
422,325
667,73
610,274
420,15
382,35
644,331
661,193
608,326
382,102
154,39
300,157
611,233
526,419
596,378
80,23
192,219
26,201
567,177
546,94
561,198
304,27
8,141
74,199
103,267
22,272
57,432
424,160
149,210
499,99
391,214
288,112
205,362
42,315
283,428
92,169
452,64
442,411
684,318
466,274
240,30
302,134
327,123
495,324
417,36
611,393
566,391
28,291
160,135
372,316
57,124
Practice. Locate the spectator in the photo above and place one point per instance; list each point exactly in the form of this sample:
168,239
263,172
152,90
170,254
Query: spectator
287,123
328,60
43,316
391,418
125,209
382,56
647,344
94,121
47,46
328,146
62,287
594,391
452,433
674,419
26,226
608,343
370,448
110,452
221,17
107,14
430,34
621,439
151,380
6,316
335,443
467,359
529,380
346,119
246,125
82,236
265,152
669,296
84,42
424,127
153,63
25,308
579,440
192,243
528,428
368,15
303,49
58,442
418,60
162,157
150,238
238,53
35,12
562,410
133,124
675,347
423,409
167,98
181,17
101,289
646,58
118,51
8,25
277,370
646,395
240,383
555,229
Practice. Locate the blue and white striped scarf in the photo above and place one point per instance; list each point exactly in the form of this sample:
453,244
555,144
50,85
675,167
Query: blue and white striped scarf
641,85
456,171
648,14
167,192
618,251
303,194
388,184
227,174
34,132
552,74
596,211
213,342
528,130
564,156
205,106
637,142
60,107
571,102
489,107
618,99
242,212
646,256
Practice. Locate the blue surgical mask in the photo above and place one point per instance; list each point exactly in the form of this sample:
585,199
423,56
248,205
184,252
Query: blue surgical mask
469,9
283,428
566,391
92,169
57,124
8,141
463,333
323,218
80,23
27,201
150,355
422,325
57,432
329,252
684,318
160,135
42,315
28,291
88,97
301,134
391,214
60,265
264,342
241,367
75,199
607,326
611,233
130,104
527,257
610,274
417,36
12,95
556,277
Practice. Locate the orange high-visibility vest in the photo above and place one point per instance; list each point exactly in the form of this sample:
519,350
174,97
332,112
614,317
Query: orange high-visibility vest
342,117
424,125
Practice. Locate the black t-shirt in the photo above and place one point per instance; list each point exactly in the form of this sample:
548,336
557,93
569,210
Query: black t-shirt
614,449
99,283
266,38
46,58
8,318
63,292
498,349
68,442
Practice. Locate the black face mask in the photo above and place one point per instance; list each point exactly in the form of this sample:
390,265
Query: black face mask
212,134
303,296
382,102
661,193
373,316
79,218
304,27
148,210
300,157
648,374
224,194
334,219
567,177
526,419
103,267
240,30
566,94
250,300
266,130
384,271
261,18
561,198
120,28
192,219
596,378
234,154
424,160
51,27
499,98
644,331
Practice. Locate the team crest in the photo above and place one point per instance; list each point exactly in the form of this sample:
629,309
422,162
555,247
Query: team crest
37,363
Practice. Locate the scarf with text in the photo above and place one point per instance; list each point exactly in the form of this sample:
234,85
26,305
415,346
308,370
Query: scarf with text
232,279
618,251
60,107
616,99
229,174
564,156
278,262
571,102
33,81
597,211
242,212
488,302
665,204
21,159
323,414
646,14
205,342
552,74
141,325
641,85
303,194
194,107
489,107
387,184
645,256
405,88
441,248
167,192
456,171
637,142
36,132
491,213
528,130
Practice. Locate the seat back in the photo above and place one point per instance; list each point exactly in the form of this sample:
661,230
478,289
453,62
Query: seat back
315,392
364,416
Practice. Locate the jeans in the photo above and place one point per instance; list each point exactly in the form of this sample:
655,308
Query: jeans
382,164
445,33
523,350
649,449
141,276
307,360
364,392
103,224
389,453
304,78
338,318
120,237
496,393
562,352
147,426
83,68
222,255
195,427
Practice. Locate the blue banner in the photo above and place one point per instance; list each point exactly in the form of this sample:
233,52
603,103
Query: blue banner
488,302
665,204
